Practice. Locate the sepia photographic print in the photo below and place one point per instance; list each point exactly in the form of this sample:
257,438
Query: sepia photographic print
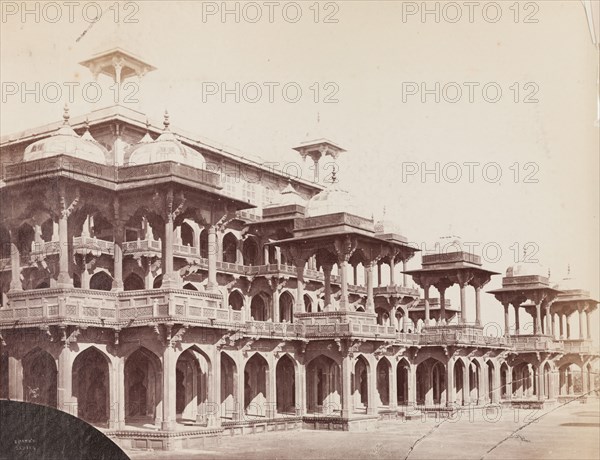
299,229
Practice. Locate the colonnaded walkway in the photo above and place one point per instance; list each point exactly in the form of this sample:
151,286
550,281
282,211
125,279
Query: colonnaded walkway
569,431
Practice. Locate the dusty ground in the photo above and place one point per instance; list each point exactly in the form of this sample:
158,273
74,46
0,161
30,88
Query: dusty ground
566,432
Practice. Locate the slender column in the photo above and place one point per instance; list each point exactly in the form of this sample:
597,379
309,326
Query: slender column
346,386
378,274
168,398
442,291
584,380
553,325
540,382
581,333
119,371
64,280
392,266
372,388
212,259
427,317
506,319
277,255
404,275
15,264
300,387
64,398
588,324
355,275
167,253
393,387
568,325
118,257
266,254
239,256
15,379
369,278
271,396
478,305
548,320
450,384
275,314
429,387
538,318
300,287
463,304
561,325
516,305
327,286
343,264
213,413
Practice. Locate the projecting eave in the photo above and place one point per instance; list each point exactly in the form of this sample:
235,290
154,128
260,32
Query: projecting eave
450,268
525,288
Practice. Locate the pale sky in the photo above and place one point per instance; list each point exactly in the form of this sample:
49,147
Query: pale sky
367,57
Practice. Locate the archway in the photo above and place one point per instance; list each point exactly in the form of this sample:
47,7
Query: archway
228,387
323,386
204,244
236,300
286,307
157,283
258,308
187,235
474,381
133,282
90,385
189,287
40,378
491,386
308,304
547,379
143,383
402,376
361,383
230,248
101,281
431,382
460,383
383,381
383,317
191,383
286,385
255,385
505,381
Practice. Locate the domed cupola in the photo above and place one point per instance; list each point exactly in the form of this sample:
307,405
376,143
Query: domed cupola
333,200
165,148
65,141
527,269
568,283
385,225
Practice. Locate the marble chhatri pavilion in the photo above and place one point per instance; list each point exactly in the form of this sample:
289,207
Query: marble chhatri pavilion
168,291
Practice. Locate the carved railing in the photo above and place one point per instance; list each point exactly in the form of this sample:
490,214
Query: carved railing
87,244
461,334
534,343
582,346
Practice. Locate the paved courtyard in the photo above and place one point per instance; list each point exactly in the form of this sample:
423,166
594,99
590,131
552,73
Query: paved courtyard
569,432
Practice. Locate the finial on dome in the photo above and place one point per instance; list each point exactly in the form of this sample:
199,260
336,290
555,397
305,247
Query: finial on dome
147,125
333,176
548,273
568,269
166,121
87,124
66,115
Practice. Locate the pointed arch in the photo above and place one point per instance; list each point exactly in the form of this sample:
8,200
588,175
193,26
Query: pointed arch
285,377
90,384
323,385
133,282
255,385
143,385
101,281
40,378
286,307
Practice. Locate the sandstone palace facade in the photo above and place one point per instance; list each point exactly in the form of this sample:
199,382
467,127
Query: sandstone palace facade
166,290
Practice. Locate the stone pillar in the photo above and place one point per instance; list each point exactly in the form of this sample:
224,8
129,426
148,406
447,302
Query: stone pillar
300,387
404,275
478,305
561,324
15,264
581,333
346,386
214,391
548,320
442,291
300,287
212,285
344,304
119,229
378,274
355,275
427,317
553,326
466,384
239,255
117,397
568,325
15,379
540,382
277,255
584,380
463,304
450,384
516,305
506,319
275,314
266,254
393,387
412,384
496,384
271,396
392,266
538,318
327,286
64,279
238,388
169,389
369,279
372,408
429,387
64,396
588,324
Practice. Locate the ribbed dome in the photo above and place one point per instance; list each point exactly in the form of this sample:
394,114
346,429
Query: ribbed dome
385,225
527,269
165,148
65,141
332,200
